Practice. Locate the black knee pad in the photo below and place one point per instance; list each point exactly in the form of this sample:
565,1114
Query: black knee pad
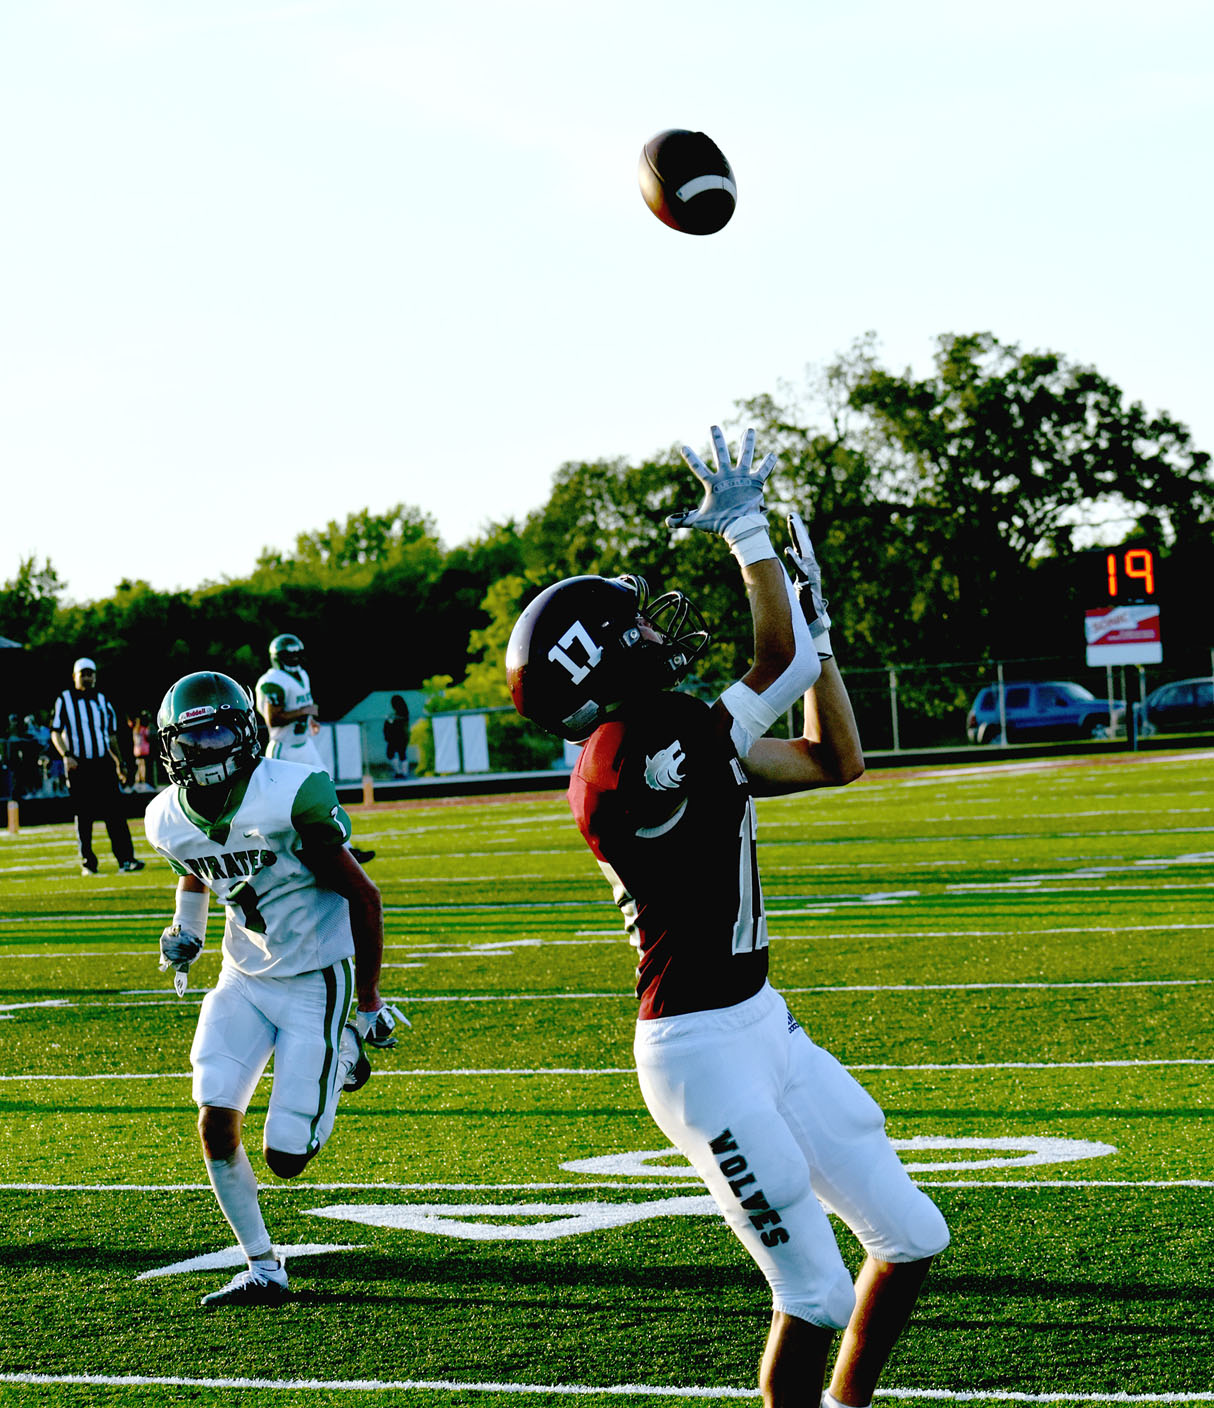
286,1165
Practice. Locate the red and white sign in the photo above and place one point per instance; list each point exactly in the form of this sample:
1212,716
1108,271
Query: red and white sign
1123,635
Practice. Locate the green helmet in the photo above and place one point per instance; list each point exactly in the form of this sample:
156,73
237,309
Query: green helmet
207,730
286,652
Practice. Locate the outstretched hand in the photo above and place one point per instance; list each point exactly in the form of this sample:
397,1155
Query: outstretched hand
807,575
733,496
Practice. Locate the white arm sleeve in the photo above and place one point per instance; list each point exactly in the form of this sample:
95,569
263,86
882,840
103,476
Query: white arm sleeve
190,912
753,714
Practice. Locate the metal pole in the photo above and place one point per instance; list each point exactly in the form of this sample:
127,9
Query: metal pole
1002,709
893,704
1108,677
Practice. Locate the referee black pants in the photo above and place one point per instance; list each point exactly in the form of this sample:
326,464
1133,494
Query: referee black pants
96,796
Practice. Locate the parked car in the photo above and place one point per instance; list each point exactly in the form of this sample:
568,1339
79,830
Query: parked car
1040,709
1183,705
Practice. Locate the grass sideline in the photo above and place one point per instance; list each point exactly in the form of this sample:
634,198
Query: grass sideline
1015,958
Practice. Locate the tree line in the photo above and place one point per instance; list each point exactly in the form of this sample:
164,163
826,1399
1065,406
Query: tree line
944,508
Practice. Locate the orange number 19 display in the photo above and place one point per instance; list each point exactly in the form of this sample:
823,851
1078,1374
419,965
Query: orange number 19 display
1136,566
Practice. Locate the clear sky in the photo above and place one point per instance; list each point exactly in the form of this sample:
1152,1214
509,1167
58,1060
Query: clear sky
267,264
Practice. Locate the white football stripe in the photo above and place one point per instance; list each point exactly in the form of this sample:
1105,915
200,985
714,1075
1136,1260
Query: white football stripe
699,184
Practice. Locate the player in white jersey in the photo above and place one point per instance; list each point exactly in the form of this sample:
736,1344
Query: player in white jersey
284,700
303,937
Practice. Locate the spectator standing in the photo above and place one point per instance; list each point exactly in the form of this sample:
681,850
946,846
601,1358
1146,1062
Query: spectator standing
141,750
84,733
396,736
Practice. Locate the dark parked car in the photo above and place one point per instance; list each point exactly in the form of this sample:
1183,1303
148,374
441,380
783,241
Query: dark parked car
1183,705
1040,709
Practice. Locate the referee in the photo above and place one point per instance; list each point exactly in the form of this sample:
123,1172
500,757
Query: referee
84,730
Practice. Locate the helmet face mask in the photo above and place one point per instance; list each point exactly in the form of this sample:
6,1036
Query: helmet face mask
580,650
286,652
207,731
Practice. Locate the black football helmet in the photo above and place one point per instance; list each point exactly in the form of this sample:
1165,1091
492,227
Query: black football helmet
578,650
207,730
286,652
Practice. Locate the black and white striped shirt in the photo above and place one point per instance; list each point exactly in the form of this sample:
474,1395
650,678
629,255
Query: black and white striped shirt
86,722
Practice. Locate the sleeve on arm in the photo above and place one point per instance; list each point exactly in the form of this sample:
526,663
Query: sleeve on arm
316,814
267,689
753,713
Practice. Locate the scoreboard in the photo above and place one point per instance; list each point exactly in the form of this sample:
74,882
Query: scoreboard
1121,625
1125,576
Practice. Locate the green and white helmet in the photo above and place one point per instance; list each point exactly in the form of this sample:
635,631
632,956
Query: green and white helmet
286,652
207,730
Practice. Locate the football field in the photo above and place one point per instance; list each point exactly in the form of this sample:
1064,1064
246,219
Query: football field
1015,958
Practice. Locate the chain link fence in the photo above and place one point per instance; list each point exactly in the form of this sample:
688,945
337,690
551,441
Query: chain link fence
898,708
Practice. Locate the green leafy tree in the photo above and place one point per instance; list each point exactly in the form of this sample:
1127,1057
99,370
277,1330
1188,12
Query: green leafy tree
29,600
938,501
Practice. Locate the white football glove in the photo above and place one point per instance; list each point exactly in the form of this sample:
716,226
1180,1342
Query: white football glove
733,498
376,1028
178,949
807,575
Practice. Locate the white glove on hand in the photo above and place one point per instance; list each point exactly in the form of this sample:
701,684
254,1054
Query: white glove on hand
807,576
178,949
376,1028
733,498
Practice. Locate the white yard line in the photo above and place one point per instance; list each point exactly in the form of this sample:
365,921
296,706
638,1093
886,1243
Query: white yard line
447,1386
572,1187
462,1072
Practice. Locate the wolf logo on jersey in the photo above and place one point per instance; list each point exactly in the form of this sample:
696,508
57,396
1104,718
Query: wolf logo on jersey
663,770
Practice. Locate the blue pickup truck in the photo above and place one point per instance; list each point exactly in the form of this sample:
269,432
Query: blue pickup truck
1040,709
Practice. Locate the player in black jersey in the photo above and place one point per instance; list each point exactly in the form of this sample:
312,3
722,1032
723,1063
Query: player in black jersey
663,794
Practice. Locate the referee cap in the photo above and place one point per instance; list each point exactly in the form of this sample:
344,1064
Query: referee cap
84,663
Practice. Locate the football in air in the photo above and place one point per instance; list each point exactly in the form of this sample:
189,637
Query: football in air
687,182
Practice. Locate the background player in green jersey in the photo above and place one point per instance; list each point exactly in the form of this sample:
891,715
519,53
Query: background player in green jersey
303,935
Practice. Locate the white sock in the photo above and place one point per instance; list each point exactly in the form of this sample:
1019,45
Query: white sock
235,1186
830,1401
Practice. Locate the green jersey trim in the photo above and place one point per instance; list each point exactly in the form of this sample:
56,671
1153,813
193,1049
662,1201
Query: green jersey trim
317,815
217,830
339,989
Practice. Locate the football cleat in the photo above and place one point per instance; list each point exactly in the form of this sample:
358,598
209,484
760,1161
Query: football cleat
88,870
353,1068
131,865
257,1285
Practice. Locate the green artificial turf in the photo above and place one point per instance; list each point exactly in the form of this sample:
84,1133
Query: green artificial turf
1000,953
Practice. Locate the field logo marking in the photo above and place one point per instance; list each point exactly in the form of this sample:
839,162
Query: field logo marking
1033,1149
234,1256
473,1222
481,1222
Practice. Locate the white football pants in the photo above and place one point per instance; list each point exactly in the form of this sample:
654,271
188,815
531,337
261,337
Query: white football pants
298,1020
782,1135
